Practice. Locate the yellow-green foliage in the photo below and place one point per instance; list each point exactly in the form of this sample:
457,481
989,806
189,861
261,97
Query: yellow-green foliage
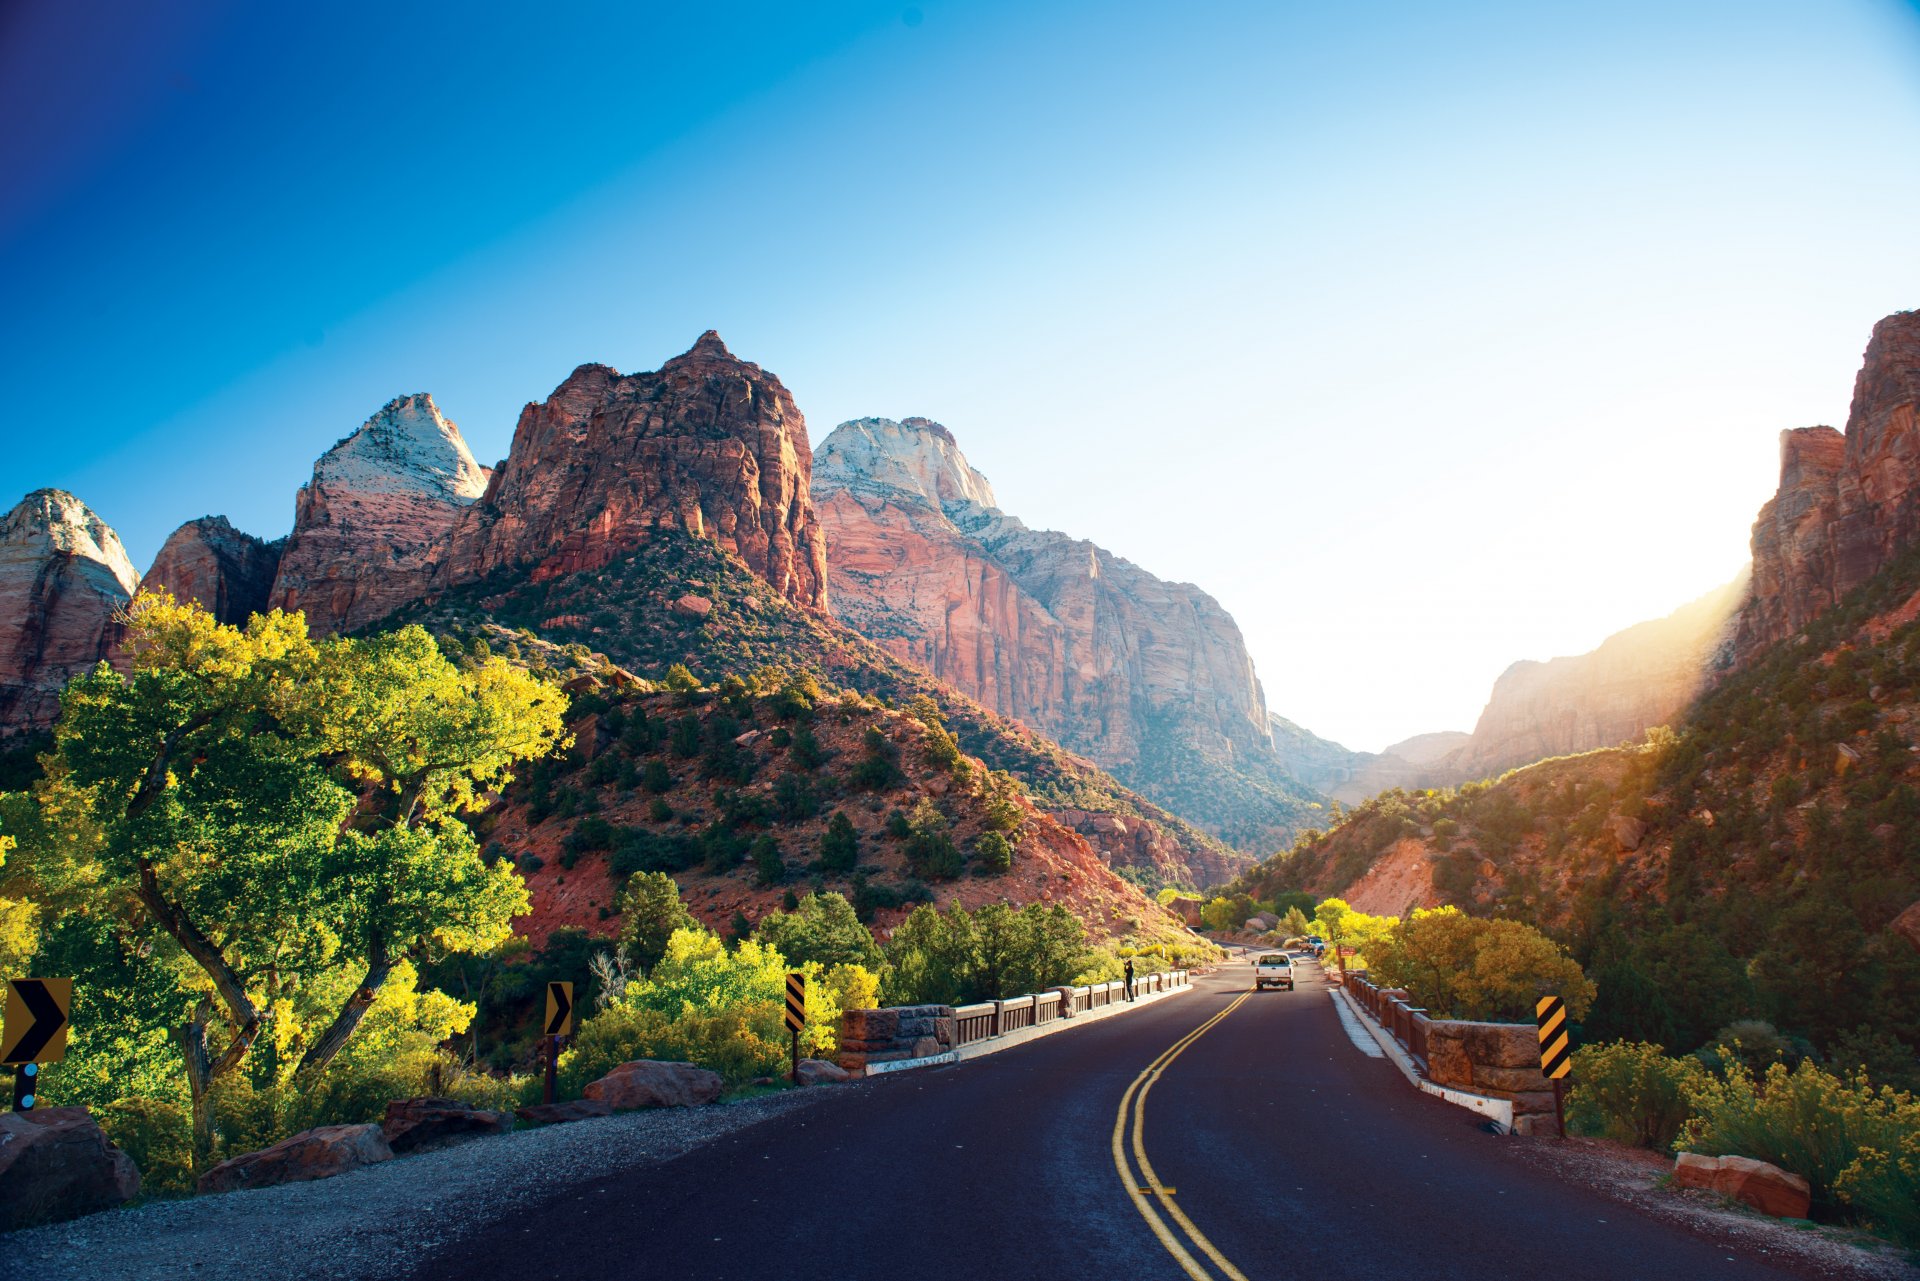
1853,1143
1468,967
1631,1092
718,1007
1341,926
158,1137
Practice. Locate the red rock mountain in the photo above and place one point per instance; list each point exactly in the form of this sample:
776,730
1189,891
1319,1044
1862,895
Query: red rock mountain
229,573
370,527
1847,504
1150,679
64,579
708,443
1643,676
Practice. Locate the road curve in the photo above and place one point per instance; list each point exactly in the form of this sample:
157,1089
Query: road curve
1289,1151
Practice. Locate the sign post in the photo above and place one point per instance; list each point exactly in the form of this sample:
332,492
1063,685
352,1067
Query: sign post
1556,1052
559,1022
796,1017
34,1031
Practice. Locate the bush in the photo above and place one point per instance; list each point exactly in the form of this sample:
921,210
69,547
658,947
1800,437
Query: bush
1845,1138
158,1136
839,845
1468,967
821,928
768,867
879,770
994,853
1631,1092
931,853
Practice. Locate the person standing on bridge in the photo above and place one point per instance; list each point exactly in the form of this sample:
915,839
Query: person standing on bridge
1129,973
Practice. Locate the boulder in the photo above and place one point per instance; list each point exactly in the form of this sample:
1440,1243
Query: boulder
1537,1125
1767,1188
821,1072
1628,831
413,1124
55,1163
1907,925
318,1153
691,606
645,1083
562,1113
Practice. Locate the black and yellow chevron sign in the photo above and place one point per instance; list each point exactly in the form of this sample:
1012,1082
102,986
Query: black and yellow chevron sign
796,1002
559,1008
1556,1042
35,1027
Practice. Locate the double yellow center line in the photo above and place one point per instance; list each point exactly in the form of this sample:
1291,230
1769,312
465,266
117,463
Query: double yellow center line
1133,1115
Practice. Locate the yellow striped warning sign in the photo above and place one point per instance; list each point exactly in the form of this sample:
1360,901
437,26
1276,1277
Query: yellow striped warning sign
1556,1041
796,1002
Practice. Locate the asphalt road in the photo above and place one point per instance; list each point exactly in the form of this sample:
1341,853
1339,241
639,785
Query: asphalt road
1288,1151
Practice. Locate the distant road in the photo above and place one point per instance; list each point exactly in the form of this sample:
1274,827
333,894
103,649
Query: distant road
1287,1152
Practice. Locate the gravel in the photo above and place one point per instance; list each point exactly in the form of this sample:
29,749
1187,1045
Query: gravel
376,1222
1635,1177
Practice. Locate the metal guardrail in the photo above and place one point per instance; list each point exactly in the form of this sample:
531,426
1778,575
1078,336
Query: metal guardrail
984,1020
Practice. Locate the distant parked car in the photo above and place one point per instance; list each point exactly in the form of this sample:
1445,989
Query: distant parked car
1273,969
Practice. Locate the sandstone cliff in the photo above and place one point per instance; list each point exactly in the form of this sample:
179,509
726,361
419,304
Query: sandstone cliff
1148,678
370,527
708,443
229,573
1351,777
1846,504
1644,676
64,579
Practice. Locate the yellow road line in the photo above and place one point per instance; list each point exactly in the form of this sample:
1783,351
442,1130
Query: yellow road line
1133,1103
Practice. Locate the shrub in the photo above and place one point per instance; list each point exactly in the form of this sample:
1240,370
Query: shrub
931,853
657,777
158,1136
879,769
1812,1123
821,928
768,867
1469,967
1631,1092
839,845
994,853
658,810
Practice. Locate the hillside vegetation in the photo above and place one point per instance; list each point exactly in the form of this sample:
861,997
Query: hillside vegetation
1748,863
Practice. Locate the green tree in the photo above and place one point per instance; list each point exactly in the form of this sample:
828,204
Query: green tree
1295,924
285,815
1468,967
650,912
821,928
839,845
993,851
768,867
931,853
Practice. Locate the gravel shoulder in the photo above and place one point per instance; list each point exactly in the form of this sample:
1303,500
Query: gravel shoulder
378,1222
1635,1177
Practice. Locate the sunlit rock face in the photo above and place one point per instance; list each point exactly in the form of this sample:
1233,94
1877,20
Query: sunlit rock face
708,443
1148,678
1847,504
65,581
226,572
1637,678
370,527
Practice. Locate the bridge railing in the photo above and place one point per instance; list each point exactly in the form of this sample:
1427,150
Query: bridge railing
872,1039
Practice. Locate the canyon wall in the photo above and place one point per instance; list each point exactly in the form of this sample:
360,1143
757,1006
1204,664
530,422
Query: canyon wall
64,582
228,573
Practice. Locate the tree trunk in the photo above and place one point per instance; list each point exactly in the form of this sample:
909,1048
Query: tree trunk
193,1047
341,1030
208,956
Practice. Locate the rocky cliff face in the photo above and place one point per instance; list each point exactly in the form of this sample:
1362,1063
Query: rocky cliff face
1351,777
64,578
1847,504
1148,678
708,443
229,573
371,526
1643,676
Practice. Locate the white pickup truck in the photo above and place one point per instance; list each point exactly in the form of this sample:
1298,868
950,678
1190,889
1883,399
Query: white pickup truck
1273,969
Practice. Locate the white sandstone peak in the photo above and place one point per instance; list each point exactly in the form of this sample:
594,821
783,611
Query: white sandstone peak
409,447
917,455
52,521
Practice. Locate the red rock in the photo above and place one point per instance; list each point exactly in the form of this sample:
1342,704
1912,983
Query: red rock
691,606
64,580
1847,505
55,1163
371,526
708,443
646,1083
1907,924
318,1153
1052,631
562,1113
228,573
1767,1188
412,1124
821,1072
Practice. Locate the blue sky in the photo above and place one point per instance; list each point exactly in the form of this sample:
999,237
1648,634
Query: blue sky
1425,337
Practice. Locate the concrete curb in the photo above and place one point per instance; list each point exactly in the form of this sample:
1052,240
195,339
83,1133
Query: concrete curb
1499,1111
